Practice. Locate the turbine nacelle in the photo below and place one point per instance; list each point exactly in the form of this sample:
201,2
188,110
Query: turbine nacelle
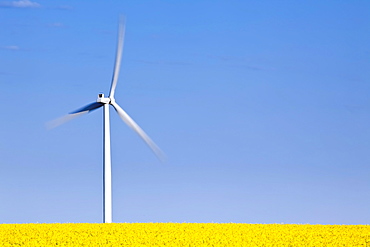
102,99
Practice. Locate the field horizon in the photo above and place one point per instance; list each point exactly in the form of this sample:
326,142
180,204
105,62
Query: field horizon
182,234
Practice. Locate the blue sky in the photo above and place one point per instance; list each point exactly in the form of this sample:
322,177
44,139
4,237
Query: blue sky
262,108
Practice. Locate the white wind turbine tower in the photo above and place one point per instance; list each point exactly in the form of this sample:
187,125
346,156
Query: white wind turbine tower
105,102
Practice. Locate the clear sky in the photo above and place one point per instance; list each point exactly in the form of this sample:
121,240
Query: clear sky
262,108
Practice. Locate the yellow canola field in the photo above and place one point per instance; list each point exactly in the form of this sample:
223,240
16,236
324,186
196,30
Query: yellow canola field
183,234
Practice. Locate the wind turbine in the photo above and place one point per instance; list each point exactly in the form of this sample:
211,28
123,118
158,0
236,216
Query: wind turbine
105,102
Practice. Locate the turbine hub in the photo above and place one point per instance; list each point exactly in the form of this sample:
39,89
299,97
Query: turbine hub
102,99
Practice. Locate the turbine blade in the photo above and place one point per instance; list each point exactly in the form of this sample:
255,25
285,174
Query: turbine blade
121,35
131,123
86,109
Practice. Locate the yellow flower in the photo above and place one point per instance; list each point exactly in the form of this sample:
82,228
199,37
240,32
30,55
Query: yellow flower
183,234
